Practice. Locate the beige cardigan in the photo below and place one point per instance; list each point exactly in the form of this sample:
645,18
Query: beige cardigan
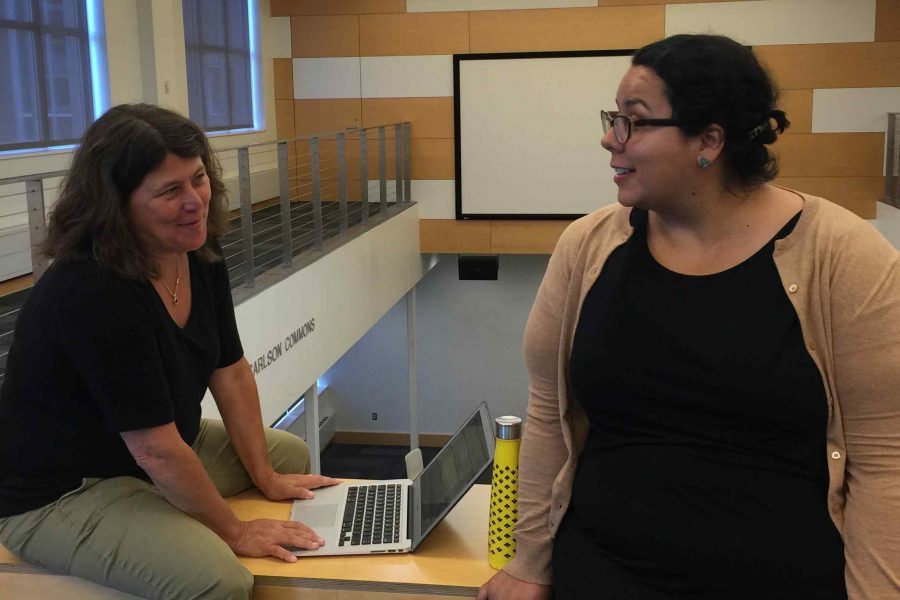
843,279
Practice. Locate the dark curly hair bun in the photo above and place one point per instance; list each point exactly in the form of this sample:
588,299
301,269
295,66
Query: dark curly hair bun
765,133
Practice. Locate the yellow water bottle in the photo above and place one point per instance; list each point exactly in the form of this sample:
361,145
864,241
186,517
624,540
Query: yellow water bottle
504,492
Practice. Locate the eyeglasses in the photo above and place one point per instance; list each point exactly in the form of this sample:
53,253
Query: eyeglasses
622,125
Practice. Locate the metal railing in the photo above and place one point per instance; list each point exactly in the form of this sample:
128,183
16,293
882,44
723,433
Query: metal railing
298,199
892,162
326,184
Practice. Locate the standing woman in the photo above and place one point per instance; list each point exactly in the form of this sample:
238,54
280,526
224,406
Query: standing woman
107,470
714,366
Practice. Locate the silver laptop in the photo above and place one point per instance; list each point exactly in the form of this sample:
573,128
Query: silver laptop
380,517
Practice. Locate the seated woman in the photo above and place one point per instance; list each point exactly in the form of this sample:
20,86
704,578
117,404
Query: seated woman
107,470
714,366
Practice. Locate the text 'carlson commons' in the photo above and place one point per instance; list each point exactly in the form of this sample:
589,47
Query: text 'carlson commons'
278,350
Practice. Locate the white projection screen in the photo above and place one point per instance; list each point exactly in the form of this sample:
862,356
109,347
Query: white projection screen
528,133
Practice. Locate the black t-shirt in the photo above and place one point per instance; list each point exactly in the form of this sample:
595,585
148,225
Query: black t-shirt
95,354
704,474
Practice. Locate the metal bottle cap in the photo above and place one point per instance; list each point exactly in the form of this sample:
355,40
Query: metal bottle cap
508,427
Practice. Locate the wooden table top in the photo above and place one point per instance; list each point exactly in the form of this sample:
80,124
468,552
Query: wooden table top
454,554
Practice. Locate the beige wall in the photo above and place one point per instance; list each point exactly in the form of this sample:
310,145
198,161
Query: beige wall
825,72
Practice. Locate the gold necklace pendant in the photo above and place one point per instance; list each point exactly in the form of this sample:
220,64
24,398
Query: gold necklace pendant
174,294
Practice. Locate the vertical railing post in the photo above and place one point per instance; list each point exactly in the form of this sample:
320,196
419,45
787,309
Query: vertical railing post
411,368
311,415
364,175
246,213
318,235
285,201
892,161
342,181
398,164
382,170
407,174
37,225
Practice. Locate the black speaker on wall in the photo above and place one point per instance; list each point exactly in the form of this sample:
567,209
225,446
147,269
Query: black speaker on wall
478,267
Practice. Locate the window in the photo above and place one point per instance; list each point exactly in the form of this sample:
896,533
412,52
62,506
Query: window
45,69
219,63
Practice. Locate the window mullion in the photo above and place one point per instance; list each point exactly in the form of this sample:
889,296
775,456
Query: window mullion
228,88
42,92
86,82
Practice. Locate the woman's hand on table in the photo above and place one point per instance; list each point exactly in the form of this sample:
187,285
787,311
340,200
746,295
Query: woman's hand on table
268,537
503,586
289,487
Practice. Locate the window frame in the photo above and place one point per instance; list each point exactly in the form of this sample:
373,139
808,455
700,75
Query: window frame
194,52
39,29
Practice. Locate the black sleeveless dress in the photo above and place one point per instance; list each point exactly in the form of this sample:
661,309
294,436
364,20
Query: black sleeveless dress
704,474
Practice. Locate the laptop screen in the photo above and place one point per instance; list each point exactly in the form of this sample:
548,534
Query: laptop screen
454,470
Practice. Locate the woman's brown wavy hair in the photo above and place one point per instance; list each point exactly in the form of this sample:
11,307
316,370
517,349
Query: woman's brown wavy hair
118,150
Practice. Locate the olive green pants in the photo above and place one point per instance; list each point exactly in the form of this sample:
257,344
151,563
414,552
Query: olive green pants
122,533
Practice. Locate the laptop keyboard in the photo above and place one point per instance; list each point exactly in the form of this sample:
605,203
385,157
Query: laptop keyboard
371,515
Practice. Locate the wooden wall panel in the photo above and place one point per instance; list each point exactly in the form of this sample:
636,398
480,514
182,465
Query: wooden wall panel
566,29
428,117
432,159
810,66
414,34
831,154
284,119
798,106
887,20
283,74
525,237
857,194
312,117
313,37
288,8
450,236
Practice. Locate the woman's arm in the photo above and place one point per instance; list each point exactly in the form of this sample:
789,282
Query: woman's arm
543,452
236,395
177,472
865,325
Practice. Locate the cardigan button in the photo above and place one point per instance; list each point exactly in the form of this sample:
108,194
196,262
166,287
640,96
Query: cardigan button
835,455
793,288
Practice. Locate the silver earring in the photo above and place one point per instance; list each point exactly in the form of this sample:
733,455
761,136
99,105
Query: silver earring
703,162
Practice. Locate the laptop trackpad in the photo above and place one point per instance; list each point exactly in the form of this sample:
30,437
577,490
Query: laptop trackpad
321,515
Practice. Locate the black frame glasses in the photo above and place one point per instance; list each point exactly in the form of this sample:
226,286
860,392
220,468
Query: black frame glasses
623,125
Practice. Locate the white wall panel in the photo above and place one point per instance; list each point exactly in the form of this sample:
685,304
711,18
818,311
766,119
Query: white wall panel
436,198
853,109
15,252
468,349
346,292
777,21
276,32
406,76
318,78
461,5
